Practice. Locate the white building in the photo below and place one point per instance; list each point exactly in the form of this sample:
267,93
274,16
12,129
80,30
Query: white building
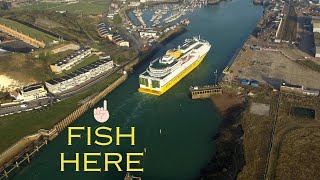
317,53
316,26
149,34
134,4
70,61
80,76
118,40
30,93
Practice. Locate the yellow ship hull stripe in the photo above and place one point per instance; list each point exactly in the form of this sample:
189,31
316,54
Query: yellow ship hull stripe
175,80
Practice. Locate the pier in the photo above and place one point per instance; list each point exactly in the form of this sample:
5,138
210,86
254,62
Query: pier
203,92
30,145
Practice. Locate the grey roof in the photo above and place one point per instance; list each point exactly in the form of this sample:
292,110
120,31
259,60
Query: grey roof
79,71
32,87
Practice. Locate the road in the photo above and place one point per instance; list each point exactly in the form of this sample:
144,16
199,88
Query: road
32,105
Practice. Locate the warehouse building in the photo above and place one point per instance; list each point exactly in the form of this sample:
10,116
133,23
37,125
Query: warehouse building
317,44
316,33
70,61
285,87
80,76
30,93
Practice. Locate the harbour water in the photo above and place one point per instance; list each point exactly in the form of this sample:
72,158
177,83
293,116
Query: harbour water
187,126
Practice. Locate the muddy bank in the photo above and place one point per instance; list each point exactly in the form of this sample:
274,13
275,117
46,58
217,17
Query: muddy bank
229,159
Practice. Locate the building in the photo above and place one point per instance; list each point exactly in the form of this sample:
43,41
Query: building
115,5
317,51
298,90
148,34
316,33
70,61
316,26
105,32
134,4
120,41
30,93
80,76
316,36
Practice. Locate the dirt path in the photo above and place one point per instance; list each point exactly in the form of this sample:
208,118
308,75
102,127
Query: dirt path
226,101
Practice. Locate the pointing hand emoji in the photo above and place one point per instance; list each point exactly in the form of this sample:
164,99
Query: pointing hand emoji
101,114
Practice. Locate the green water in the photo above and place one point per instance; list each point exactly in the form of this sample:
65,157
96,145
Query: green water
184,146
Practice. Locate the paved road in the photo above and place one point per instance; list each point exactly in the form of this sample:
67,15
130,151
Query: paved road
32,105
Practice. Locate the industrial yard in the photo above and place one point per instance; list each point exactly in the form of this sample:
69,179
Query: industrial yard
274,66
281,121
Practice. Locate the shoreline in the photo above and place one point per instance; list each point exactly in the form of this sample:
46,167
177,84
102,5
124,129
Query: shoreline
228,159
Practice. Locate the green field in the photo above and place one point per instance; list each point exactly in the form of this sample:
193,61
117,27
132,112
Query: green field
85,6
16,126
33,33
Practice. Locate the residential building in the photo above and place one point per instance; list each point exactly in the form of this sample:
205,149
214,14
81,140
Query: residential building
105,32
70,61
30,93
80,76
118,40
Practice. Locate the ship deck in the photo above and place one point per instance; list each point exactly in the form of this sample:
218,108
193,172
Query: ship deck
158,65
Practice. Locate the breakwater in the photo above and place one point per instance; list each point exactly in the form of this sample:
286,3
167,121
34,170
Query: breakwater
28,146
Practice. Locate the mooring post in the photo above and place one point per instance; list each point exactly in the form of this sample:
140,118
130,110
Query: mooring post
28,159
6,174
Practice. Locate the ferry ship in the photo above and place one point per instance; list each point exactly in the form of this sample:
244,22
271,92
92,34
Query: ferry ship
164,72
